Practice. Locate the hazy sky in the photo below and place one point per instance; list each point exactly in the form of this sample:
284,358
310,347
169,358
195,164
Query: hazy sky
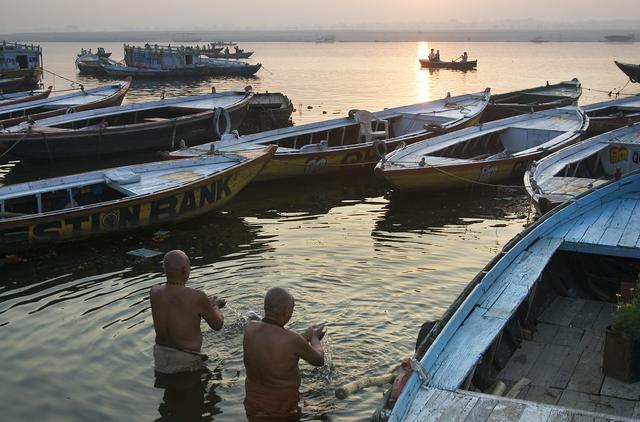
18,16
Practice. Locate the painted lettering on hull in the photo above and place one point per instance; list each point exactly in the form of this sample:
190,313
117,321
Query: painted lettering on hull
126,217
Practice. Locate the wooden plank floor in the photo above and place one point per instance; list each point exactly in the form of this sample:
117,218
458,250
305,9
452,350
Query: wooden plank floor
562,362
468,406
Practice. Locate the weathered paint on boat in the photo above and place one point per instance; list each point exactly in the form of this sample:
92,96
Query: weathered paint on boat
603,222
579,168
531,100
23,97
352,154
195,196
435,165
104,96
609,115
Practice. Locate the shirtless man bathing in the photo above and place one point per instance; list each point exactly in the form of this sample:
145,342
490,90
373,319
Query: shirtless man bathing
271,355
177,311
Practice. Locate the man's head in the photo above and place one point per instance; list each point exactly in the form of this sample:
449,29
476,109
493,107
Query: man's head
176,266
278,305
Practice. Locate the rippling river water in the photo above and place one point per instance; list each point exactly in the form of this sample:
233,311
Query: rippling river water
75,321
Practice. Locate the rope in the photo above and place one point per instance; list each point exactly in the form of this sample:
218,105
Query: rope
73,83
615,92
471,181
13,146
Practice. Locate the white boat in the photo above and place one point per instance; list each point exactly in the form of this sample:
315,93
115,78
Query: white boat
354,142
527,340
571,171
491,153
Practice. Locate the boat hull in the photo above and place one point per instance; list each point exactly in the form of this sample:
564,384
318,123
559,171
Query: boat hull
199,71
168,207
336,160
631,70
91,70
31,96
30,78
428,64
112,100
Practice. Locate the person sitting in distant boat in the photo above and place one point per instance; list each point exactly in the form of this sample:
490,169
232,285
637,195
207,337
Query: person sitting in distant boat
437,56
237,49
226,51
177,311
271,354
463,58
432,55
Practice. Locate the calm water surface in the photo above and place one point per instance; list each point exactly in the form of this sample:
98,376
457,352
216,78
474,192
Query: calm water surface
75,323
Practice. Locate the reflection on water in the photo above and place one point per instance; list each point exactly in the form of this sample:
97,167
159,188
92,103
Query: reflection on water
75,320
189,396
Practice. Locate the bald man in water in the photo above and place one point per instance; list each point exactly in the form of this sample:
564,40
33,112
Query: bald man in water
271,356
177,312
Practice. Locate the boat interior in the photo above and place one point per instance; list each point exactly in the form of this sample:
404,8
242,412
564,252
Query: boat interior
151,115
361,130
498,144
614,111
58,198
551,350
524,98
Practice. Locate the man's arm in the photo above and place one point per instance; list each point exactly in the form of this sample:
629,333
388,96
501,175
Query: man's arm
210,311
311,351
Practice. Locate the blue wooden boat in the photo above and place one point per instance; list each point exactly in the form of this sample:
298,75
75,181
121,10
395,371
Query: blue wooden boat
533,323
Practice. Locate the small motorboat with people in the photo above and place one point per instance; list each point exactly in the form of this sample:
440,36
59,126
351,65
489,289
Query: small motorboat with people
631,70
267,111
118,200
578,168
350,143
461,63
489,153
612,114
93,64
533,99
23,96
147,126
79,100
542,332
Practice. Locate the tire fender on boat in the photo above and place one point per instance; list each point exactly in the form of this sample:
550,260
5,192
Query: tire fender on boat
70,110
219,113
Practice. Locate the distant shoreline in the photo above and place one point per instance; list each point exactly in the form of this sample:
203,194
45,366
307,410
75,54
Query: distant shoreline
312,35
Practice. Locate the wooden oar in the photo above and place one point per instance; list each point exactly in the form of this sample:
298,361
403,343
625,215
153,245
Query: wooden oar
355,386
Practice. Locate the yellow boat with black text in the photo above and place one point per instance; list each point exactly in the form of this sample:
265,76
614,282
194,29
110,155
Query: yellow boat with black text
121,199
353,142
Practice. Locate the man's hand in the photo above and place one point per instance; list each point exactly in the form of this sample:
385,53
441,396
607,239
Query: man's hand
314,331
217,301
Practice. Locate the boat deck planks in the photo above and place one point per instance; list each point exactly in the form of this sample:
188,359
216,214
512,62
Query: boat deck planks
570,375
470,406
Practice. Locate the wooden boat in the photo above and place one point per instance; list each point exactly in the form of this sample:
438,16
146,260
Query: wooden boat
534,322
539,40
22,63
83,99
93,64
631,70
122,199
613,114
267,111
534,99
23,96
571,171
488,153
353,142
167,61
432,64
213,67
148,126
